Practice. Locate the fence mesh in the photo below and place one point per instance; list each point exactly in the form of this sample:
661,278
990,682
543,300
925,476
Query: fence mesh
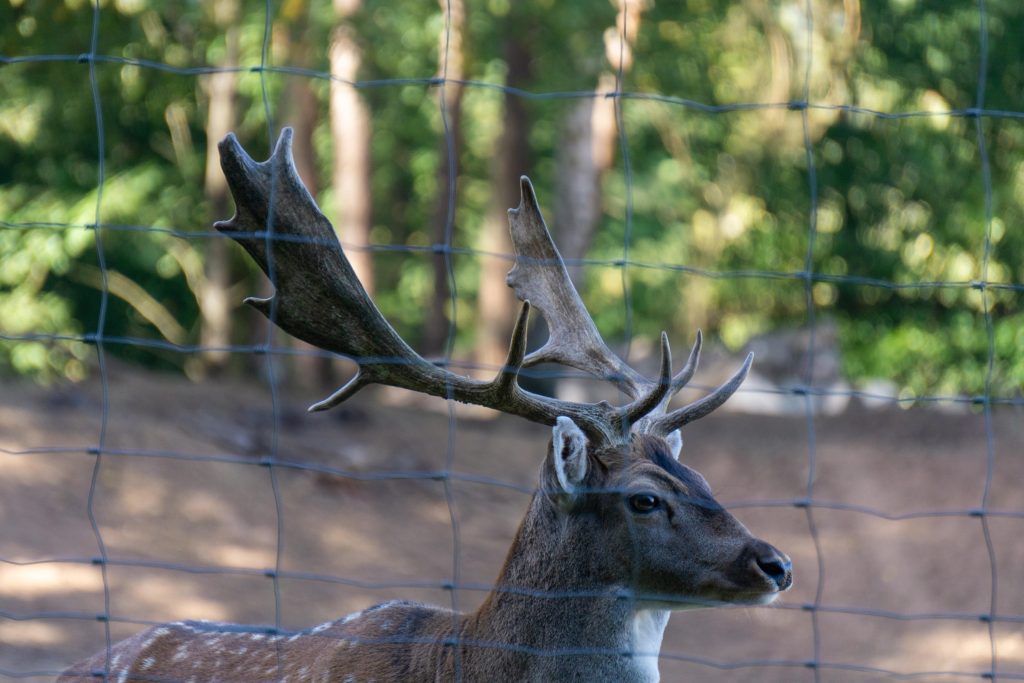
817,664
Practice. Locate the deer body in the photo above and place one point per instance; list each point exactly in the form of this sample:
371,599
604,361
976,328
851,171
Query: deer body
584,594
373,645
618,534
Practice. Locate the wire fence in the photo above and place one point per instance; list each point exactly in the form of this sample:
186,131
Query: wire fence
817,664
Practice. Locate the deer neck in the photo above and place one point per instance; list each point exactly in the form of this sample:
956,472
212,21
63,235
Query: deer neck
554,596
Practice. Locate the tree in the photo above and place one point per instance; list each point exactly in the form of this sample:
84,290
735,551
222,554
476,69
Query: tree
351,133
714,123
590,137
495,301
452,69
220,89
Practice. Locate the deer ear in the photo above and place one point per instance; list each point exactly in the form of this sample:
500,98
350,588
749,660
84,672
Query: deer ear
569,446
675,443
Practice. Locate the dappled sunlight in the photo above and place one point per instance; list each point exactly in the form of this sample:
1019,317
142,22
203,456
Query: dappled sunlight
28,582
141,495
72,435
954,648
208,507
26,469
31,633
388,547
353,540
228,555
170,597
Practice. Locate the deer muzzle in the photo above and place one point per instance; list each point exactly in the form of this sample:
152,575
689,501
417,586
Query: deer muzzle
770,563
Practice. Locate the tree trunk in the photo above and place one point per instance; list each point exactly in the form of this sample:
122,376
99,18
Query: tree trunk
214,307
299,109
496,303
588,144
453,69
350,131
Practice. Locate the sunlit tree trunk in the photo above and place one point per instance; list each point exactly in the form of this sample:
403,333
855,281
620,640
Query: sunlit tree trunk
496,303
588,143
299,109
214,306
453,70
350,131
586,135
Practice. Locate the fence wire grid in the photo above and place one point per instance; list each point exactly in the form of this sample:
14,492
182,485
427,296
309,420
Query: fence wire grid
816,665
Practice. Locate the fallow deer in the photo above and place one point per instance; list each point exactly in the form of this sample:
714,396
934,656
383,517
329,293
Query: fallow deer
617,535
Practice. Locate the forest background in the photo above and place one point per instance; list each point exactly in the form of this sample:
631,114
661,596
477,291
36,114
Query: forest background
724,166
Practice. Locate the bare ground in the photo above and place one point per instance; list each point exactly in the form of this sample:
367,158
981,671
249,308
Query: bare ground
190,521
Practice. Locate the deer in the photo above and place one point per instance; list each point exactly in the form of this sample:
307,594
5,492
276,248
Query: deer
618,534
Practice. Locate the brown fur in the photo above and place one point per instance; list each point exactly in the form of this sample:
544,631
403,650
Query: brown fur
585,582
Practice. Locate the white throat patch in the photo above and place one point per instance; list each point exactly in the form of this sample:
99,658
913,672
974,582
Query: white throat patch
648,629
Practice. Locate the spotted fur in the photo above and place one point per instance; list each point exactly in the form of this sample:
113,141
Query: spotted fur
584,595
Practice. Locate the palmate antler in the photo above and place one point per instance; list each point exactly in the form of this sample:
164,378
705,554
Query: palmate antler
540,277
319,299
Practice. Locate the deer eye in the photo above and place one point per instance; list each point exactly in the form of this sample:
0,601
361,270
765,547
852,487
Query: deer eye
644,502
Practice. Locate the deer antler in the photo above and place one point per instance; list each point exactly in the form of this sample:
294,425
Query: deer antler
540,276
319,299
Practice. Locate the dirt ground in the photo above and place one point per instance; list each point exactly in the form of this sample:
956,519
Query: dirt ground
189,520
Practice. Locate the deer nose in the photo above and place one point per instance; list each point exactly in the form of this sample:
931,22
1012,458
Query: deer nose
775,565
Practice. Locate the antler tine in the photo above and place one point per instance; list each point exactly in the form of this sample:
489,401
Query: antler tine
508,375
347,391
657,392
686,374
666,424
539,275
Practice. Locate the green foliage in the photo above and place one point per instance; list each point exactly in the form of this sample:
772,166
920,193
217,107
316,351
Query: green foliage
901,202
50,190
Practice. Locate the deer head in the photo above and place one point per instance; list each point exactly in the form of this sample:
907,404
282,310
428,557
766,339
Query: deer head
655,525
615,464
